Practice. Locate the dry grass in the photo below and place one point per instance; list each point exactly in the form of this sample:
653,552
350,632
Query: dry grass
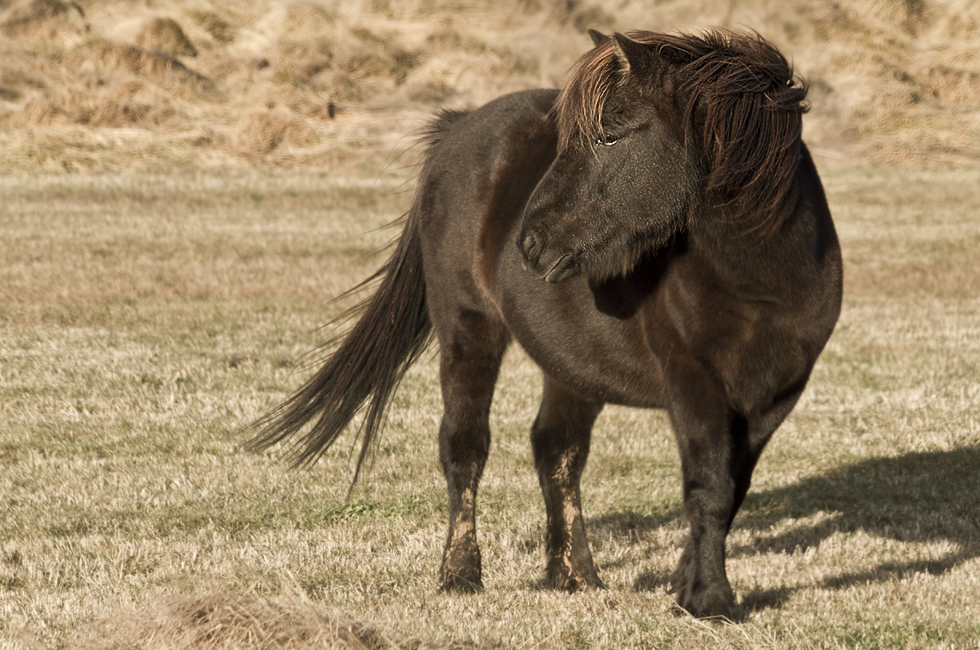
217,617
335,85
145,319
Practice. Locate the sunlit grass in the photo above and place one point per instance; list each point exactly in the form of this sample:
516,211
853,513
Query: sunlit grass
145,320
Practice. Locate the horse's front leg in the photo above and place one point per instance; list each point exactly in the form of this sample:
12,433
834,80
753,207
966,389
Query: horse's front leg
560,438
706,433
470,361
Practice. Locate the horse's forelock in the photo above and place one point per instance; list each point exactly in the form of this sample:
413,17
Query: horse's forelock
578,109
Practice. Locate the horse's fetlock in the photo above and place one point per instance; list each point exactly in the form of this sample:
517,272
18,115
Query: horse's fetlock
462,577
564,574
461,569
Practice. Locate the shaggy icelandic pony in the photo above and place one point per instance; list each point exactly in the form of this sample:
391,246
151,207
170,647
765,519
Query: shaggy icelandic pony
653,235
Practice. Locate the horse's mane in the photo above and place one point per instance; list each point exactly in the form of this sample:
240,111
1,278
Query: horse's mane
752,113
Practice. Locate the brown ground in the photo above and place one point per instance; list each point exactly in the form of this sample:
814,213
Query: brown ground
336,86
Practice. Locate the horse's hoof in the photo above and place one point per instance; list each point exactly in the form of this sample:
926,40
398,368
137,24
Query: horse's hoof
461,569
563,579
711,603
461,580
461,586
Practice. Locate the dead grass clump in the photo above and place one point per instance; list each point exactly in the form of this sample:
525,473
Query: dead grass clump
36,110
379,56
224,620
39,17
340,69
959,20
582,15
106,54
125,104
115,113
16,81
307,16
261,131
166,36
219,29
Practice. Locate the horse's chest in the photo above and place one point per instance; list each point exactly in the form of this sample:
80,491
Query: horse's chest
600,356
753,346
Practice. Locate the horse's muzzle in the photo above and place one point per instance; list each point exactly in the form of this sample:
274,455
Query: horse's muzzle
536,262
563,269
531,247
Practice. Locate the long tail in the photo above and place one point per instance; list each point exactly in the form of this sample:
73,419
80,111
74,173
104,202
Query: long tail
392,330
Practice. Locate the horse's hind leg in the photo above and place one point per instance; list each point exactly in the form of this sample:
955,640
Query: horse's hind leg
560,438
471,350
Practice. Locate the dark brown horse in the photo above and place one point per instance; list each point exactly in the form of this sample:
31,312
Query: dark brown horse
653,235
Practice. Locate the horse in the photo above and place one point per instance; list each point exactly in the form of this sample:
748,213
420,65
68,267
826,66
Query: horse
655,234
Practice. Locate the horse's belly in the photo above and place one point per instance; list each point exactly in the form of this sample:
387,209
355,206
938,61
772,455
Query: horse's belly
602,374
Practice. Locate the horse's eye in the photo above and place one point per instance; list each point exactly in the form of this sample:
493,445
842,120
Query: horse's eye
607,140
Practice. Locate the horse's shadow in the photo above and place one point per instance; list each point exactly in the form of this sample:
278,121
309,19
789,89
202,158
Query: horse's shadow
916,497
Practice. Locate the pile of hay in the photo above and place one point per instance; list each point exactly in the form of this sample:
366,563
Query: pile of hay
220,619
334,85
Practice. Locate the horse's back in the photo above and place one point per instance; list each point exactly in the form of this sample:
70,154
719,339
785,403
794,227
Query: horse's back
479,172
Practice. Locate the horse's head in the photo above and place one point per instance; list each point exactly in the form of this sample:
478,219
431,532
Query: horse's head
623,180
652,128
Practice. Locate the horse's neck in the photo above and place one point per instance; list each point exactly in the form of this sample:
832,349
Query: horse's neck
752,257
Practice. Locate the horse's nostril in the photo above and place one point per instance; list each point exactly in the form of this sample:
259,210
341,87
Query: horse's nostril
530,246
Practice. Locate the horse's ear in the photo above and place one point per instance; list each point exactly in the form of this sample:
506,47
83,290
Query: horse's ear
632,55
598,38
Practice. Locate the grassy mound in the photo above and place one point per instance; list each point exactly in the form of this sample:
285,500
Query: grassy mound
113,85
220,618
165,35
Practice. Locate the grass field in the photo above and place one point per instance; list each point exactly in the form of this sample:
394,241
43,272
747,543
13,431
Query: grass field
185,186
144,320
